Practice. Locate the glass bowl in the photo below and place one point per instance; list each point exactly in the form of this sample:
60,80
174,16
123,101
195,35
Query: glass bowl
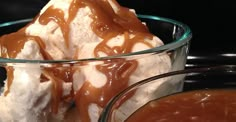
209,95
29,78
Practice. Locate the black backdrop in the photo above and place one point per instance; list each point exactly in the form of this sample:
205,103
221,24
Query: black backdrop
211,21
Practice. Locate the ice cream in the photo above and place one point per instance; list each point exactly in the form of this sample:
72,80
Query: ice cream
71,30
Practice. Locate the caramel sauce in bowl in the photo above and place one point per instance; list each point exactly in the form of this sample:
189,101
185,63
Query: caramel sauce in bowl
214,101
201,105
120,68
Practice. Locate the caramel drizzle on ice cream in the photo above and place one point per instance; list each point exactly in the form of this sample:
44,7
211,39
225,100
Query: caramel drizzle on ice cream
106,24
11,45
10,71
56,15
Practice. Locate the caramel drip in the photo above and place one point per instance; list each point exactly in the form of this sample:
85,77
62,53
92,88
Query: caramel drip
56,89
10,71
126,47
117,73
56,15
58,75
106,21
12,44
128,20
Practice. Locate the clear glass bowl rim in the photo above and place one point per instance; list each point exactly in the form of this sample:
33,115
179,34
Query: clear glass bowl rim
185,38
104,117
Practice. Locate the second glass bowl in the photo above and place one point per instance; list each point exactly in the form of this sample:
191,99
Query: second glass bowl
209,95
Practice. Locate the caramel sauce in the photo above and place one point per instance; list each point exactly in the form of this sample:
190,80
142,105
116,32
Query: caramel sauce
117,73
12,44
106,24
194,106
58,75
56,89
56,15
10,77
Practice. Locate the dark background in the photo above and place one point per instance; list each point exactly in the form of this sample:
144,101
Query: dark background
212,23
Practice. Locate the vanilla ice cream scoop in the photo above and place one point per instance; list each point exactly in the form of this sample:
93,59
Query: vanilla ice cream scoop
73,30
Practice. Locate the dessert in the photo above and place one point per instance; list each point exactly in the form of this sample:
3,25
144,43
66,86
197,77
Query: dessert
72,30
